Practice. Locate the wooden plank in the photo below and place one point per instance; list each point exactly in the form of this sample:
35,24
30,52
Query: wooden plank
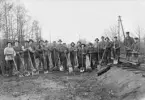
103,70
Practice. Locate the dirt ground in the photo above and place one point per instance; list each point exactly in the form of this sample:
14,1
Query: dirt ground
116,84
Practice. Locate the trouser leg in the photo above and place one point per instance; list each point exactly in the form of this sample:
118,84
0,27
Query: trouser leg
18,62
47,62
10,65
33,61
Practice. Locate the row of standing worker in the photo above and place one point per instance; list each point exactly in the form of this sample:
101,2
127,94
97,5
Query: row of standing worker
33,58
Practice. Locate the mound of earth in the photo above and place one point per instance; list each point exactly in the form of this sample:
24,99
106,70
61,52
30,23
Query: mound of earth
126,84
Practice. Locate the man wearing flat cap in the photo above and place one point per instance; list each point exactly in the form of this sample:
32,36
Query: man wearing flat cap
136,45
108,46
18,50
73,51
97,50
116,48
128,42
102,46
40,52
79,53
91,51
82,57
54,55
26,57
31,51
63,51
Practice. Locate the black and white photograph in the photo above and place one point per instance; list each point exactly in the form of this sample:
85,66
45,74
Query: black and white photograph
72,50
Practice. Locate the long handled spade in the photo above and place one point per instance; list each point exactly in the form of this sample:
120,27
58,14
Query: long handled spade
25,72
115,60
82,68
45,63
88,62
16,67
99,65
61,68
54,54
50,61
70,69
76,62
98,54
32,67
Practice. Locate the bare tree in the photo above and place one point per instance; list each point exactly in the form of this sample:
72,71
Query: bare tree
15,23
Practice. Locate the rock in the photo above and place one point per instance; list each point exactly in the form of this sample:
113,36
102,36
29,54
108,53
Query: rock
16,94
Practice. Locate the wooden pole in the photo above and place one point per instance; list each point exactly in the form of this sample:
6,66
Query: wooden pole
121,26
119,29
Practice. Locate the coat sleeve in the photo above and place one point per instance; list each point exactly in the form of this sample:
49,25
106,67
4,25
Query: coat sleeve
14,53
5,51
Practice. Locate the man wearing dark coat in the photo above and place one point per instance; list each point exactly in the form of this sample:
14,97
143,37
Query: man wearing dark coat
102,46
54,55
92,55
31,51
63,54
108,46
18,50
97,51
26,56
73,51
128,42
116,48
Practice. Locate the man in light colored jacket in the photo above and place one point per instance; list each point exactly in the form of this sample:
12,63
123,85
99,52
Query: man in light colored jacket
9,53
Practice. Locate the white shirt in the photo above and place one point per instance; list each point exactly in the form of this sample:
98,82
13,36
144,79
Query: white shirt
9,53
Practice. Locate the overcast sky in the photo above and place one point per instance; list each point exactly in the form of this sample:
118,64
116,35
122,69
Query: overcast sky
67,19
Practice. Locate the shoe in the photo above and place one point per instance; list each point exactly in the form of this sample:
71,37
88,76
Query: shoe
82,70
45,72
21,76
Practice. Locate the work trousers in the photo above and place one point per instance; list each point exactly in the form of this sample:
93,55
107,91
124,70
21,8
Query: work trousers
18,61
63,60
108,55
72,58
81,61
10,66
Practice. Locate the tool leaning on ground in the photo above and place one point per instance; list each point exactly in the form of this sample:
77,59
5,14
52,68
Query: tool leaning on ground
70,69
16,67
133,52
26,73
100,62
61,67
32,66
76,61
115,59
44,61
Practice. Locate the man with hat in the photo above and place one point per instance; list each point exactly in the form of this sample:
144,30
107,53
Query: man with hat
97,51
63,51
79,53
92,55
135,49
18,50
73,51
54,55
47,52
136,45
116,48
26,56
102,46
82,58
128,42
9,53
108,46
31,52
40,50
